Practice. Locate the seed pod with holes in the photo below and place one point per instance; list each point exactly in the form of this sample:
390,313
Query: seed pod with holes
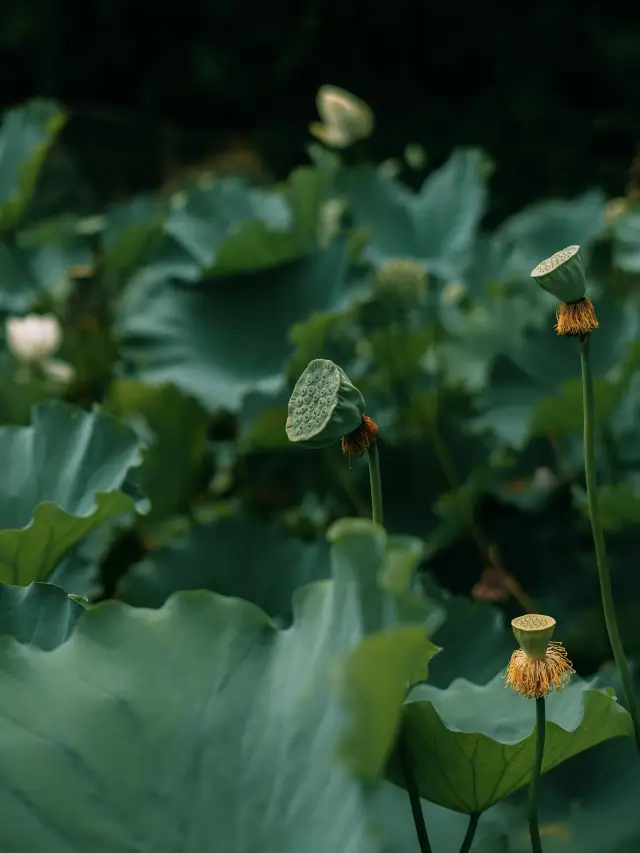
564,277
324,405
534,632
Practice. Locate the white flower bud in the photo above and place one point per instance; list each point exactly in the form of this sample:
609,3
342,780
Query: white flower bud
33,338
60,371
345,118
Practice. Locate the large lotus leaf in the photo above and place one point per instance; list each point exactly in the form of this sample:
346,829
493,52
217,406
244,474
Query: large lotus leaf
436,226
588,803
201,726
626,242
20,286
332,335
173,427
541,229
237,556
262,420
131,229
25,137
535,385
209,557
63,477
40,614
624,422
221,337
274,239
32,267
202,217
80,570
473,746
477,336
562,413
474,639
551,359
594,796
78,573
487,265
58,251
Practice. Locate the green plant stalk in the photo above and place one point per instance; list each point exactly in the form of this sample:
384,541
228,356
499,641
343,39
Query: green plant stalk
414,795
534,830
375,483
470,834
403,748
604,573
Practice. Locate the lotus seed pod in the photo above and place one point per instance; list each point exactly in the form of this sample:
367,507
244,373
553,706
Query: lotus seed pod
324,405
534,632
563,275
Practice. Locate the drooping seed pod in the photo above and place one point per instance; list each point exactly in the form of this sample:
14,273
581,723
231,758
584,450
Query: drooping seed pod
564,277
324,405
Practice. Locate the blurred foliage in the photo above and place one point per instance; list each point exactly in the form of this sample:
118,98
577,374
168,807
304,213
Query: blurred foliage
145,459
475,78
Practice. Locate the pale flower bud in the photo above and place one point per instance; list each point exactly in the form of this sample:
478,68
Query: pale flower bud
345,118
33,338
59,371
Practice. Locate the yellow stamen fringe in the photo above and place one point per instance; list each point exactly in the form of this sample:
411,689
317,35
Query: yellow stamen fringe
576,318
535,678
361,439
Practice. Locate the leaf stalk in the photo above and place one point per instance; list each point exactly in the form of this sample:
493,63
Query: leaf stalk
534,829
604,573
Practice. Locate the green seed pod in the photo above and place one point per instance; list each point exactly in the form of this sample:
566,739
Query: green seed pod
534,632
324,405
562,275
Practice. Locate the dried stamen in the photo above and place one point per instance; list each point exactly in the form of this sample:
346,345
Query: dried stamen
576,318
356,443
535,678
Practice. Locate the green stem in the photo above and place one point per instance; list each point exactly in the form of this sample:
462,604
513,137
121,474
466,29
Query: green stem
376,484
604,573
534,830
414,796
403,749
470,833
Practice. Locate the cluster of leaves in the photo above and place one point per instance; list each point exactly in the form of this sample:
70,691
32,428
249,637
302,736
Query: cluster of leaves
247,688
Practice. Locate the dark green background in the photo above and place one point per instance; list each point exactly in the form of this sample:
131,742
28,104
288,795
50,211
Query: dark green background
550,89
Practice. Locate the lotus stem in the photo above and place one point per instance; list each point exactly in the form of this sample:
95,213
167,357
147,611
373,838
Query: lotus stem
534,830
414,795
604,573
403,747
375,483
470,833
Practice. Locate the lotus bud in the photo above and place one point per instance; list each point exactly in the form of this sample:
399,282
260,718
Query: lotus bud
33,338
325,406
345,118
564,277
402,276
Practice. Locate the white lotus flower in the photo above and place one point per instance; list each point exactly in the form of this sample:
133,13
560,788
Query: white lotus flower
33,338
345,118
